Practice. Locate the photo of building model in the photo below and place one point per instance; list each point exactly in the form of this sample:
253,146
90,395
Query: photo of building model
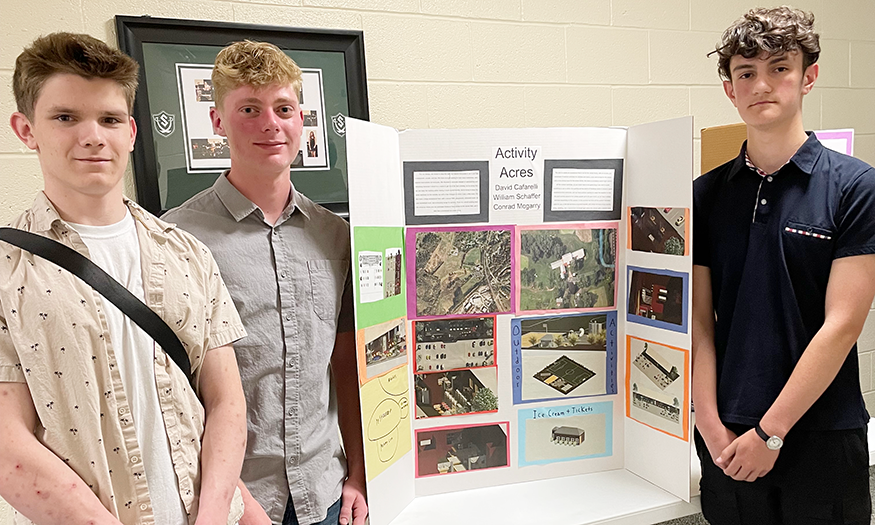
386,348
447,344
461,449
392,279
565,269
656,296
462,272
572,436
658,230
657,404
563,356
564,375
455,392
656,368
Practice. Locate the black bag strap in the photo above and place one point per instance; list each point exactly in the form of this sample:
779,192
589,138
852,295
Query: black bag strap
80,266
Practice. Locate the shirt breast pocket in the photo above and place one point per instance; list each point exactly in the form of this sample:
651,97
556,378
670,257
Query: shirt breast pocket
796,230
807,249
327,277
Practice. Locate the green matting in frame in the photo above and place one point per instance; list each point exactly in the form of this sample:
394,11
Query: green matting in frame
176,184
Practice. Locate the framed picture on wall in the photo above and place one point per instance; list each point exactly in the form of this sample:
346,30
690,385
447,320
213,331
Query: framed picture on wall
177,155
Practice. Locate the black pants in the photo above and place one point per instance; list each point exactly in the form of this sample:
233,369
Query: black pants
819,478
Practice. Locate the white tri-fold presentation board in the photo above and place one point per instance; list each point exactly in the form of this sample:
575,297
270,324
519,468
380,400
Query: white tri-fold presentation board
522,305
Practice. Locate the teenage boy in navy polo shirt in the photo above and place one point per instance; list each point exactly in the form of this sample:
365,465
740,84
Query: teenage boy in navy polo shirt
784,276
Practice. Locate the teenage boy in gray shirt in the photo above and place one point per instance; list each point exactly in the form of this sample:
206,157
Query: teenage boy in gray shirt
286,262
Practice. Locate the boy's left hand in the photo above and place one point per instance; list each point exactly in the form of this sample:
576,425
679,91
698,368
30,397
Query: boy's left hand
747,458
353,506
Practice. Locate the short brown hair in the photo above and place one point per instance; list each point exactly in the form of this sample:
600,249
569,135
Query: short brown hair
774,31
71,53
256,64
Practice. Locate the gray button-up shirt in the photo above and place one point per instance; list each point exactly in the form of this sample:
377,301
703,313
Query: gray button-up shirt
291,284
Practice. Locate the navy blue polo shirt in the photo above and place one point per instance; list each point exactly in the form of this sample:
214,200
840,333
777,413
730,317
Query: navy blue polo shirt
769,243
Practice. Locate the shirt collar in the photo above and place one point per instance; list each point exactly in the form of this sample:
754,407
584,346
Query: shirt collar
45,215
804,158
240,207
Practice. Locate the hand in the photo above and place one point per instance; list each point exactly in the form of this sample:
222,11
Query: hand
253,514
717,439
353,507
747,458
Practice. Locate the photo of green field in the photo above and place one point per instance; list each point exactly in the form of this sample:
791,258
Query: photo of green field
567,268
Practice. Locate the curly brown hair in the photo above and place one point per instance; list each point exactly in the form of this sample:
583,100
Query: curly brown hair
774,31
71,53
256,64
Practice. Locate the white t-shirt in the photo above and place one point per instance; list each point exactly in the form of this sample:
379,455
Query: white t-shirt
115,248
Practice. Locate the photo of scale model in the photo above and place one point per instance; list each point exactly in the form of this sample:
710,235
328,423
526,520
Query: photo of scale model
656,368
564,375
657,382
462,271
648,402
563,356
658,230
461,449
571,436
448,344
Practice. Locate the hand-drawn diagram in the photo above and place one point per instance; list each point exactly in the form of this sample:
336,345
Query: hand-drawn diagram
658,298
448,450
659,230
447,344
656,387
564,356
386,420
565,433
456,392
563,269
382,347
457,271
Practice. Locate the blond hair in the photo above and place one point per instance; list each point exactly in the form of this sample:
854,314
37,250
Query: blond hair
71,53
256,64
774,31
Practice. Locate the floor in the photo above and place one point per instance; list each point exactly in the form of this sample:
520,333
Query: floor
697,519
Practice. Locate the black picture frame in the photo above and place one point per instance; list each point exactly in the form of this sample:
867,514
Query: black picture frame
136,32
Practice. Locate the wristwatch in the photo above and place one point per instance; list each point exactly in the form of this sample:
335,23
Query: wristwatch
773,442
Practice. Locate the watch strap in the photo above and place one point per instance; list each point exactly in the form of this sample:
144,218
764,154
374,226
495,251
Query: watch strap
761,433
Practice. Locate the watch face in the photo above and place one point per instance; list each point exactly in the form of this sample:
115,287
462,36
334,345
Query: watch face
774,443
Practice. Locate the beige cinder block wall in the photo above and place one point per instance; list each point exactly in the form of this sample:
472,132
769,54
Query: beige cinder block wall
502,63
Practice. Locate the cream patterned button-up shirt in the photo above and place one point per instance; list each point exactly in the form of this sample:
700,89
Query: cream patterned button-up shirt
54,337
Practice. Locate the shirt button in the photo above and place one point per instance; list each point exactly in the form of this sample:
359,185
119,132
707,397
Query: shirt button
291,364
288,317
764,202
143,506
283,274
135,459
769,178
291,412
122,411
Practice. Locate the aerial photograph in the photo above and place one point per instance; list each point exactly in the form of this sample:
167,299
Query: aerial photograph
567,269
462,272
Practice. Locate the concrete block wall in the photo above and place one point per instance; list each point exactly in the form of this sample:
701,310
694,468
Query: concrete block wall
503,63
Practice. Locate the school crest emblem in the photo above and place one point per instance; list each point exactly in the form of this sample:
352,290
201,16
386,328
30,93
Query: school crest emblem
338,122
165,123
